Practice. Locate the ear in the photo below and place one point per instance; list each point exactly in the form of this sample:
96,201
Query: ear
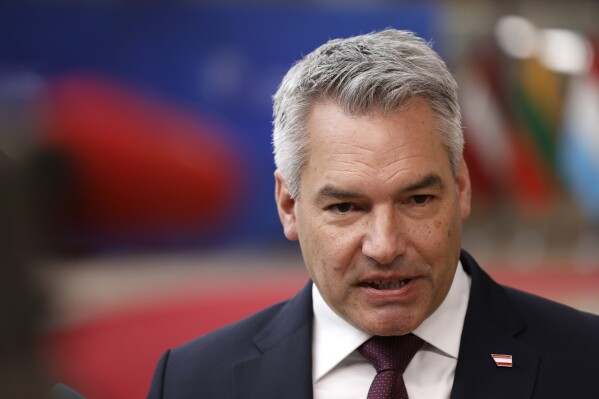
286,207
464,189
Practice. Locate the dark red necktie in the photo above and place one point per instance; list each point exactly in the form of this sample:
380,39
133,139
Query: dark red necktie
390,356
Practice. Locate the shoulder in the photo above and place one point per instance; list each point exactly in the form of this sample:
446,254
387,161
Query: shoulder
548,326
209,361
241,338
567,342
550,322
206,362
230,338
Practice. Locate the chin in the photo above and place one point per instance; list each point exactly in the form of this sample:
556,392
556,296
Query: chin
392,327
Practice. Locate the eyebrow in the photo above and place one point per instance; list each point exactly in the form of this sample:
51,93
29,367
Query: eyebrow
427,181
329,191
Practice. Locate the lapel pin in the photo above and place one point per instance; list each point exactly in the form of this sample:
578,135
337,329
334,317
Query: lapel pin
502,360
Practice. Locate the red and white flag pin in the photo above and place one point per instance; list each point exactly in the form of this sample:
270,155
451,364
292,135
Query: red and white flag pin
502,360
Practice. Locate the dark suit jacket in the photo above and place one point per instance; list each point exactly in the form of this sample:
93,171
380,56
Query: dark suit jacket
555,351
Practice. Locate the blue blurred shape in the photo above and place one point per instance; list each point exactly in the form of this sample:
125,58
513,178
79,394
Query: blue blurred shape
223,62
579,145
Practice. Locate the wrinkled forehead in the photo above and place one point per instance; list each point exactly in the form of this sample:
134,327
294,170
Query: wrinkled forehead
375,137
321,127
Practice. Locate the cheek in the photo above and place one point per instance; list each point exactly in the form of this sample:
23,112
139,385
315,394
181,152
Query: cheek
338,249
431,236
443,248
447,226
343,247
331,254
436,240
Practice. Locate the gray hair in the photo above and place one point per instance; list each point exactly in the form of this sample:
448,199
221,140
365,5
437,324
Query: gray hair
375,72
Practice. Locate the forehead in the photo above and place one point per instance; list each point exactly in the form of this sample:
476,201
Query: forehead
379,144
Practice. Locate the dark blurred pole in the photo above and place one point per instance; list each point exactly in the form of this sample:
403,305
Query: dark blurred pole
51,185
21,304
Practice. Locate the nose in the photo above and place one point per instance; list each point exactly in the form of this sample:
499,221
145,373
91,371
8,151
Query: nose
384,239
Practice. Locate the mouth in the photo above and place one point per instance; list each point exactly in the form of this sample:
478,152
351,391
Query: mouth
386,284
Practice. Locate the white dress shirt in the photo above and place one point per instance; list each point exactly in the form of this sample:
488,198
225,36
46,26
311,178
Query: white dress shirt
340,371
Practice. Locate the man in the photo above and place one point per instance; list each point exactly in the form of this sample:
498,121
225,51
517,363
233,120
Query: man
371,181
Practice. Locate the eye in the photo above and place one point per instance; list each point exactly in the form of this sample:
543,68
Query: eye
343,207
421,199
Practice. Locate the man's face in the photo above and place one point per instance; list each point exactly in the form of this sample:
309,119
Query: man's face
379,215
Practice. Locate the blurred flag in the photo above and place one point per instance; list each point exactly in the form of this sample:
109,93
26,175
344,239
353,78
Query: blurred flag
537,105
504,159
535,102
487,150
579,144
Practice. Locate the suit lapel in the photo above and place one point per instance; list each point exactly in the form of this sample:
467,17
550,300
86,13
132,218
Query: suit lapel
491,327
283,366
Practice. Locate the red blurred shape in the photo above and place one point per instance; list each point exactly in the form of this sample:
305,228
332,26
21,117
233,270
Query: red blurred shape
483,186
114,356
140,165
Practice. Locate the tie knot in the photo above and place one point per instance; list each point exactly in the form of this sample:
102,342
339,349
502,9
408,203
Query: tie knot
391,353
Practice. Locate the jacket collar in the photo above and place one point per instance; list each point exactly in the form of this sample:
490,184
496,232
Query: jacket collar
491,326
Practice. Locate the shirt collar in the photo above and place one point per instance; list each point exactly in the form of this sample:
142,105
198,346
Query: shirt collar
334,338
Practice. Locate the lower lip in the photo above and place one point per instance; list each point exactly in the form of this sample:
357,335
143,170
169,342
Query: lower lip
402,293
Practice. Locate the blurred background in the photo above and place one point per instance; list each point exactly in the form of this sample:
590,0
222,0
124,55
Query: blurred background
137,174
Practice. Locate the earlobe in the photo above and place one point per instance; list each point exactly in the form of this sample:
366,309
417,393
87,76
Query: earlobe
464,189
285,207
